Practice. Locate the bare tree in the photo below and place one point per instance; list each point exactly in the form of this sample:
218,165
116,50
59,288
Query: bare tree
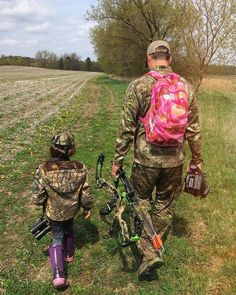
209,34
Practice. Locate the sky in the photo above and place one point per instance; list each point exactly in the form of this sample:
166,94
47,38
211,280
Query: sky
27,26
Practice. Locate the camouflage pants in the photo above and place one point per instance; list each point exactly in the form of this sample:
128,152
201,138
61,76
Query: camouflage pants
167,183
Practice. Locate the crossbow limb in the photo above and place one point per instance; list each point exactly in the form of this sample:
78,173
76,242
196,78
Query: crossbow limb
116,202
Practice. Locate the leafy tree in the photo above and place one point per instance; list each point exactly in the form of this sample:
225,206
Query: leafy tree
126,28
197,31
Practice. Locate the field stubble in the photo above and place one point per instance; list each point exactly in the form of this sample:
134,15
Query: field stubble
26,103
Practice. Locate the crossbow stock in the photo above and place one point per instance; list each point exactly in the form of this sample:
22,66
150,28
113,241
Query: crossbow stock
141,217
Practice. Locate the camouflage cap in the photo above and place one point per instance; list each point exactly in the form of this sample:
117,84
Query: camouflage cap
63,139
152,48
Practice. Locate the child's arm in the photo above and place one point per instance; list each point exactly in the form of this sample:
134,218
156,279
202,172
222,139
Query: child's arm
39,193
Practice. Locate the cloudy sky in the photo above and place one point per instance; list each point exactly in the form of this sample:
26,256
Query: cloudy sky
27,26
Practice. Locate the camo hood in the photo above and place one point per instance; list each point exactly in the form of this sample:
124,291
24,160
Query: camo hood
64,176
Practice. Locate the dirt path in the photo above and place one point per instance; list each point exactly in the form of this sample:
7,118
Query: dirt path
112,101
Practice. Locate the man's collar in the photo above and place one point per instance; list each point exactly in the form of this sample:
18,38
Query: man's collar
161,68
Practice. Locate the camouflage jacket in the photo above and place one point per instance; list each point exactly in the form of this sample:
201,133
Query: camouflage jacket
63,187
136,104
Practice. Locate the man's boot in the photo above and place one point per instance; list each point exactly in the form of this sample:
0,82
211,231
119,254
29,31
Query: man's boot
146,268
57,265
69,246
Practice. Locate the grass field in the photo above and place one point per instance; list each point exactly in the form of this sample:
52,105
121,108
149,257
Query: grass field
200,253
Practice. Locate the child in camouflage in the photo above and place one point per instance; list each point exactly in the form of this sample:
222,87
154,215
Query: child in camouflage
62,186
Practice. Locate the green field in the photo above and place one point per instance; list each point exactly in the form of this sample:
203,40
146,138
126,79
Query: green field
200,253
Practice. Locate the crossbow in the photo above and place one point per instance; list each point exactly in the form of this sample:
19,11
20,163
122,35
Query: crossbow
141,217
117,202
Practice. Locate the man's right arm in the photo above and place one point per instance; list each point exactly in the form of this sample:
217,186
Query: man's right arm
128,125
127,128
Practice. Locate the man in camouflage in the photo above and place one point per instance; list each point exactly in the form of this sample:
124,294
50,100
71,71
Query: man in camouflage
61,186
155,167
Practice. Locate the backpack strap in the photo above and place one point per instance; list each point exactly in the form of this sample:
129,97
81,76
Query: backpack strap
156,75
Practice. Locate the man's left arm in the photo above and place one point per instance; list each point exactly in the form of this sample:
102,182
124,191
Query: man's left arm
193,130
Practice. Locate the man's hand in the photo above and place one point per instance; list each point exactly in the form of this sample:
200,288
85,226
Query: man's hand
199,166
87,214
115,168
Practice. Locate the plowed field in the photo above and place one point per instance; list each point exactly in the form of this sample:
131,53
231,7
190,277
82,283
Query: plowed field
29,97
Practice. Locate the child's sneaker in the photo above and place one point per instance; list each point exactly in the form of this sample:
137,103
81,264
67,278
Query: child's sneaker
69,258
59,280
57,265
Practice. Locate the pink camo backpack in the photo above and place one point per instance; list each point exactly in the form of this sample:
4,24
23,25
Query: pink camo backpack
167,117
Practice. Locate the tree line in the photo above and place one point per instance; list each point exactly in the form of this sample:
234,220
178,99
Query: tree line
221,70
200,32
68,64
49,60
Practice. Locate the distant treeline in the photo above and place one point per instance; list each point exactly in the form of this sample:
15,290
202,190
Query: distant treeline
46,59
221,70
49,60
